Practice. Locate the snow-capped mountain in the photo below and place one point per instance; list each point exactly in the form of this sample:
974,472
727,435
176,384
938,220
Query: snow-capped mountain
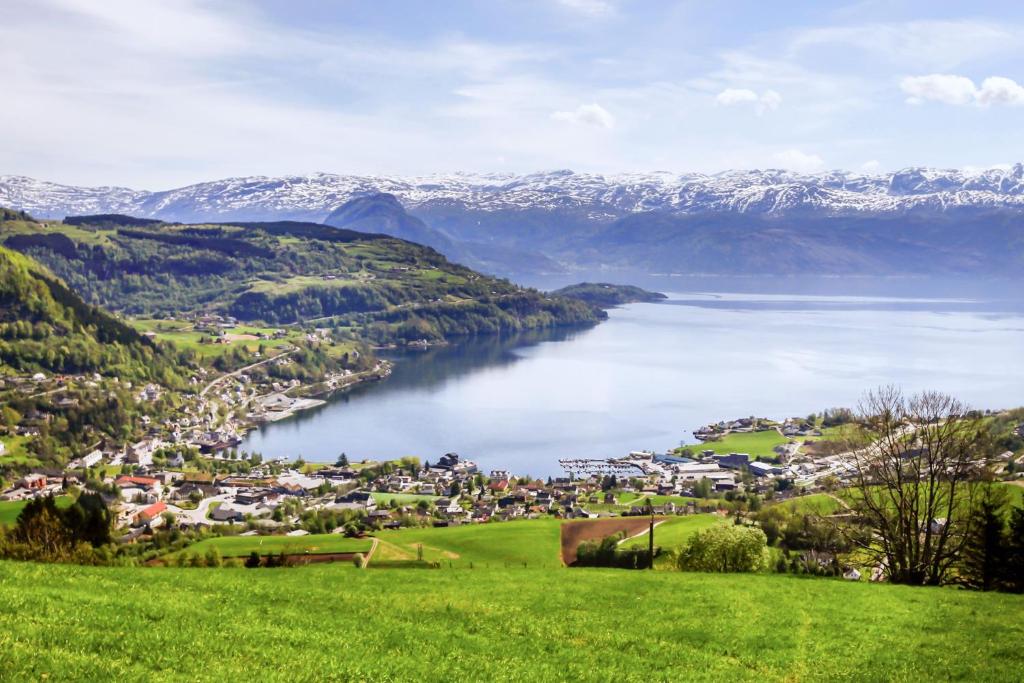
313,197
917,220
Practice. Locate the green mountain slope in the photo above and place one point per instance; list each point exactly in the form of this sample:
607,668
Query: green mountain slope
44,326
278,273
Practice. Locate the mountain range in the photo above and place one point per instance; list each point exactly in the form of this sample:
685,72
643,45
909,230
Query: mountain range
916,221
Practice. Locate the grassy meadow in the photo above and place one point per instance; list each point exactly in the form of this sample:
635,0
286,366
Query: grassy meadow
335,622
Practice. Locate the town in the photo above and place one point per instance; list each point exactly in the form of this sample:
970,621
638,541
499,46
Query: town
186,476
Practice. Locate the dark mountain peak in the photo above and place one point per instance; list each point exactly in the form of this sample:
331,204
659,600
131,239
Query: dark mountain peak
381,212
376,205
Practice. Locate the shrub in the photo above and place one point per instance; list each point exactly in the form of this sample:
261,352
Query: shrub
725,549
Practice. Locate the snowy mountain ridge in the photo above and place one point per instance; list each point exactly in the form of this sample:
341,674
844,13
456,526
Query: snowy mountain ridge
313,197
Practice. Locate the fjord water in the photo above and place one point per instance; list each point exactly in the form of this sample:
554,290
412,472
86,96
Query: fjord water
653,372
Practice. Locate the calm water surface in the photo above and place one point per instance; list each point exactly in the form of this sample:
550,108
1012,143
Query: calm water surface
653,372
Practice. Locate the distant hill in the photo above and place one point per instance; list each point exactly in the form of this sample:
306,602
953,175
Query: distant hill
607,295
381,212
376,287
44,326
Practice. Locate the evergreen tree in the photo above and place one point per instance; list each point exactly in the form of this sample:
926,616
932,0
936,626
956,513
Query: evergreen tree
1015,552
983,559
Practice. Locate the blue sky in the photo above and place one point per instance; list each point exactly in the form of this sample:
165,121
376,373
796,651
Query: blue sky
157,94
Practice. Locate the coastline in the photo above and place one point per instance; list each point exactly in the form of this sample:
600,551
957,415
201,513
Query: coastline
312,396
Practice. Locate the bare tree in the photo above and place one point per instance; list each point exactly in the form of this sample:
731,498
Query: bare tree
916,478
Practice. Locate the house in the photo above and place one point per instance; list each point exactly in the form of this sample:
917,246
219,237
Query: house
226,514
499,486
188,488
251,497
579,513
733,461
449,506
141,453
363,499
33,482
763,469
91,458
149,514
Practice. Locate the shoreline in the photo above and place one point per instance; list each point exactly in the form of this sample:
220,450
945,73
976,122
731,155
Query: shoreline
315,398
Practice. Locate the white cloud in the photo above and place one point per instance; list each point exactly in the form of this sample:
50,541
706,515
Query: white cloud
596,9
940,88
731,96
587,115
960,90
923,44
769,100
999,90
795,160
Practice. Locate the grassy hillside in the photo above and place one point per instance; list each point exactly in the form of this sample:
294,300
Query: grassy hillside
337,622
383,288
46,326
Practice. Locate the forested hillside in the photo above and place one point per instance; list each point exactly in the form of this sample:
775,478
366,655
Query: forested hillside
286,272
46,327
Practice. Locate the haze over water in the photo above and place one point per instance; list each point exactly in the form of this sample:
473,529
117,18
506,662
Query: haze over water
653,372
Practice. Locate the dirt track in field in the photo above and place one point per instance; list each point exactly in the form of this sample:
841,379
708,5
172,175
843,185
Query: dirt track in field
574,533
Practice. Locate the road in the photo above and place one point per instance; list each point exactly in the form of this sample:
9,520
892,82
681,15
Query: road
239,371
198,516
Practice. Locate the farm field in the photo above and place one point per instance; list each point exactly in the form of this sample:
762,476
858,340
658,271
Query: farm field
336,622
10,509
241,546
534,542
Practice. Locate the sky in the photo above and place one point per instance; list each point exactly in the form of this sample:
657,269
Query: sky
154,95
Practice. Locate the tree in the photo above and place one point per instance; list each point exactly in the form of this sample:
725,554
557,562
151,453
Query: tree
342,460
916,475
724,549
1015,552
983,559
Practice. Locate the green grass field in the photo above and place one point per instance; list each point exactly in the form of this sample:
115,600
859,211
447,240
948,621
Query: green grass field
334,622
402,498
535,542
816,503
16,453
10,509
241,546
752,443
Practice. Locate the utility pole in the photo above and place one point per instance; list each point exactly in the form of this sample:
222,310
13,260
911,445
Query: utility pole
650,537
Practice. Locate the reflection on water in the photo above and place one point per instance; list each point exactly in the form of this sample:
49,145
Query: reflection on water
653,372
